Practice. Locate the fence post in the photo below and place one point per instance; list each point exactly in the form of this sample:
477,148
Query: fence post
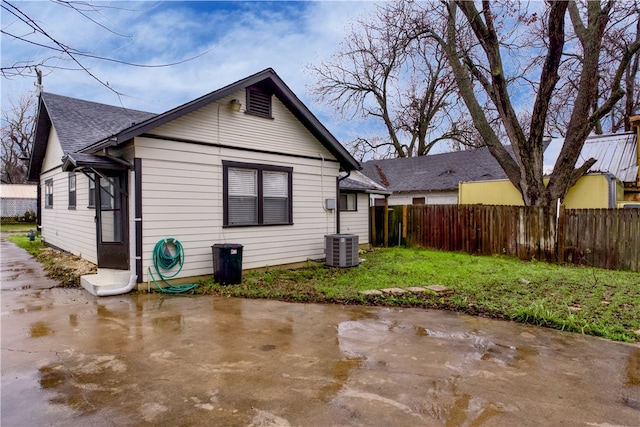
374,240
385,230
560,235
404,221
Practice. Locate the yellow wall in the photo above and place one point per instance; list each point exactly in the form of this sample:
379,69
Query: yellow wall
590,192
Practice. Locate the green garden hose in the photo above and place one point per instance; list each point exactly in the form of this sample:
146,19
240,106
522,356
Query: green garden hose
164,260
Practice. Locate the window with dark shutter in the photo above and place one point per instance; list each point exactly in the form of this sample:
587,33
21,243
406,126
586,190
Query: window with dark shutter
258,102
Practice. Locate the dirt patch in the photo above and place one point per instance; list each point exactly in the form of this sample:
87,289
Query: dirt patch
64,267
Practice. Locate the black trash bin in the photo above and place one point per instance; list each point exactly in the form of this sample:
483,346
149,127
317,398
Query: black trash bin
227,263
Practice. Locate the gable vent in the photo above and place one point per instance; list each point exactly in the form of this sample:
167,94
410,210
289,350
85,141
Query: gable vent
258,102
341,250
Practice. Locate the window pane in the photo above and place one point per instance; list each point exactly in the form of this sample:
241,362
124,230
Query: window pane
72,190
107,194
343,202
243,210
48,193
276,210
243,196
92,191
110,226
351,202
275,184
348,202
243,182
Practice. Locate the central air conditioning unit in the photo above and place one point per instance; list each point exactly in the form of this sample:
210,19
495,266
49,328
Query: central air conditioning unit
341,250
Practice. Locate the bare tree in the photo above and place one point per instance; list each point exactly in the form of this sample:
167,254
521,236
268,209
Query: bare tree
622,30
404,84
16,136
479,42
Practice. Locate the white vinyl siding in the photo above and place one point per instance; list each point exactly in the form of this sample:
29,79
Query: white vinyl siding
432,198
357,222
182,186
54,152
72,230
216,124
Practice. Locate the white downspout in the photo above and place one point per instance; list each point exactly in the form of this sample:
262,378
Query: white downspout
123,290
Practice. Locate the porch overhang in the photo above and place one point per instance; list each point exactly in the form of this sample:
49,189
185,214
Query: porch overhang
81,161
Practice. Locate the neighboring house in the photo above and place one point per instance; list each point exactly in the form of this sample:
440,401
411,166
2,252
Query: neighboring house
431,179
247,164
475,177
353,204
18,199
611,182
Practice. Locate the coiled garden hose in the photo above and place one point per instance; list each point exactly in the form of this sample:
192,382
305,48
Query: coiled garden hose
164,260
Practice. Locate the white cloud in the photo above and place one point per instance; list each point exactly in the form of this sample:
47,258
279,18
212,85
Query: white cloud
241,39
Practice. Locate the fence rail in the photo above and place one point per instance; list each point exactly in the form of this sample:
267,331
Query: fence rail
607,238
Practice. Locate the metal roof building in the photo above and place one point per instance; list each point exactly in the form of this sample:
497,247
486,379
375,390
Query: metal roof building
615,153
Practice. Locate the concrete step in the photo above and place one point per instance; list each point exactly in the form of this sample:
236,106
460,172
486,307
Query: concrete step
105,279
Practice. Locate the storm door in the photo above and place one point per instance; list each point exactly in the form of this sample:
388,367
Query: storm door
112,220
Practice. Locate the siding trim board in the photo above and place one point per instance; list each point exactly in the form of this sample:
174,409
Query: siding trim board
137,218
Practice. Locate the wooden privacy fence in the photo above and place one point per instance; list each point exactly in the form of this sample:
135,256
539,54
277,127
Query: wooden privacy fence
607,238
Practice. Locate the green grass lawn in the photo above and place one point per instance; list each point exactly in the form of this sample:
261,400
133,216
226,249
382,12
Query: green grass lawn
17,227
586,300
22,240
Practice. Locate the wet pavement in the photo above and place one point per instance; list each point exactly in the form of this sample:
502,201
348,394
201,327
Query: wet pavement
72,359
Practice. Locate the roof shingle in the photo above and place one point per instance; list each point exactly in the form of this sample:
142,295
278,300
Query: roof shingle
80,123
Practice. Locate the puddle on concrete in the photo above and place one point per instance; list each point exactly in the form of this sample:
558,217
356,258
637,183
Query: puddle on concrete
39,329
340,372
169,323
468,410
633,368
52,376
64,385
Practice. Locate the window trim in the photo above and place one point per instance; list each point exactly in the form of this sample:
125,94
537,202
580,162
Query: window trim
48,193
260,168
346,208
73,190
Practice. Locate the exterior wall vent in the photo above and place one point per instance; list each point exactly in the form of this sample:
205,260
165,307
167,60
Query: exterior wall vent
341,250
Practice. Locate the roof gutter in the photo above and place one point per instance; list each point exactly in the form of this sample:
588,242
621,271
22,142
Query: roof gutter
100,145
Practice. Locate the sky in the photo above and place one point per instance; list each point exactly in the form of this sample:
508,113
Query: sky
217,42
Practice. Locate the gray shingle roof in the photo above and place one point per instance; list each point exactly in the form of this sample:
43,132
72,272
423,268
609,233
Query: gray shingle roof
80,123
89,127
434,172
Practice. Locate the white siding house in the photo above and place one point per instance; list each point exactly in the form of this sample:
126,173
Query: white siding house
208,172
356,191
431,179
